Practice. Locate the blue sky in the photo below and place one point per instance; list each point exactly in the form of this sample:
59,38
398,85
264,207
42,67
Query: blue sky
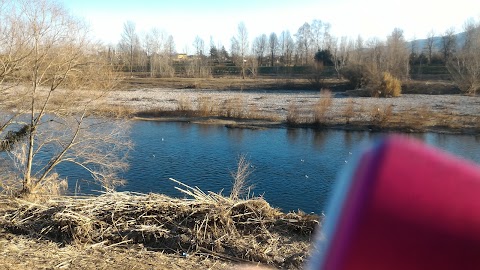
185,19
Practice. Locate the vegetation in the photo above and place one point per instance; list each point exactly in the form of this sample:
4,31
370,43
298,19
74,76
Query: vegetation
389,86
230,228
322,106
51,81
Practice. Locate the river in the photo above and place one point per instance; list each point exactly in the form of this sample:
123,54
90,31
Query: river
292,168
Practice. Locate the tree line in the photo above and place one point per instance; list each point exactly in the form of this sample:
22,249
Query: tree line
154,52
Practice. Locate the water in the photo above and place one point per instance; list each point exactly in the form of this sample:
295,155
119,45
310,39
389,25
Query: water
292,168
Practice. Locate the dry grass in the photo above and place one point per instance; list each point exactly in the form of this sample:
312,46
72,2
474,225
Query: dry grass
184,104
322,106
234,107
349,110
18,252
294,116
207,223
380,116
206,106
240,178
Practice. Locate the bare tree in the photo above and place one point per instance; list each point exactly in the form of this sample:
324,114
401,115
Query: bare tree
448,44
259,47
304,37
286,47
464,66
129,42
273,47
317,35
242,39
397,55
61,79
341,53
429,45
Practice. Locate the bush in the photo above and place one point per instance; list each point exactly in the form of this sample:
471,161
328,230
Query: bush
358,75
389,86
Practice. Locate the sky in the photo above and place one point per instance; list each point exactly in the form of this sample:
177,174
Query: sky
219,19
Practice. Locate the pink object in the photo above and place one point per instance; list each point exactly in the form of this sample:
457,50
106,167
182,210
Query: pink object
404,206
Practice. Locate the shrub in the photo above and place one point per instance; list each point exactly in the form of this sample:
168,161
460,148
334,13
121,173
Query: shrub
389,86
358,75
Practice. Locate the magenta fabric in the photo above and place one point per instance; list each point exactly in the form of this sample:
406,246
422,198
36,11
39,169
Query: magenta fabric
409,206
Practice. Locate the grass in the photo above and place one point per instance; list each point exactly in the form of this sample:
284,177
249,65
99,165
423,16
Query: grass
380,116
349,111
293,114
240,177
322,106
236,230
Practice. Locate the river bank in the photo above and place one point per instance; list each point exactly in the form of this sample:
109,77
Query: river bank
428,107
125,231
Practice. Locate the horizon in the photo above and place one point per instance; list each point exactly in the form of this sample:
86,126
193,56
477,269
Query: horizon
186,19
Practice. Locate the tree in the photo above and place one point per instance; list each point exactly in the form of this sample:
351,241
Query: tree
272,46
304,36
397,55
317,34
242,45
448,44
258,47
129,42
59,79
429,45
464,66
286,47
341,54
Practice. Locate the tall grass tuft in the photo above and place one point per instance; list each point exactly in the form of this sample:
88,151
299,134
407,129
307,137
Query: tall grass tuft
322,106
184,104
293,114
240,178
349,110
206,106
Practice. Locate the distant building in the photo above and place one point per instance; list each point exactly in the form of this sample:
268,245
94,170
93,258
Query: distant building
182,56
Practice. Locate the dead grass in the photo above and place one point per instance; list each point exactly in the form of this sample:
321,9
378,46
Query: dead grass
184,104
322,106
380,116
240,178
206,106
19,252
349,110
207,223
294,116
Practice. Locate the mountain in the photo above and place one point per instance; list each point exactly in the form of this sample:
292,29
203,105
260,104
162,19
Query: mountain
437,42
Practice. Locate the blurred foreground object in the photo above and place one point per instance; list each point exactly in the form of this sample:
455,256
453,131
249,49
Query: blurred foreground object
403,205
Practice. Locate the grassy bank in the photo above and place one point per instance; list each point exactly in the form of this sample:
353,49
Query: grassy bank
208,226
